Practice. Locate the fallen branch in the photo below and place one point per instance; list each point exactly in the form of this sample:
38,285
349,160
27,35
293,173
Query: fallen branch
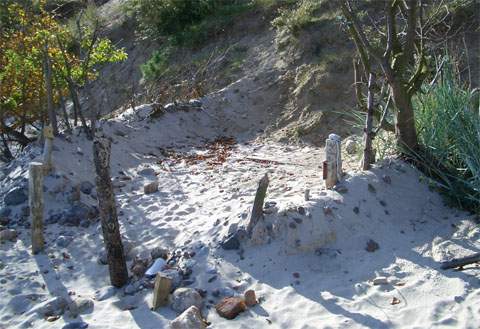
459,262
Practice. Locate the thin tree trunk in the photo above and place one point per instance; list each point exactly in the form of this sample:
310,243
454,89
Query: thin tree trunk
48,83
108,213
368,156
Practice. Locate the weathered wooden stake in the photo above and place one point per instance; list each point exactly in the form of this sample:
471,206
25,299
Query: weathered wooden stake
368,135
35,199
332,167
257,210
108,213
161,290
47,149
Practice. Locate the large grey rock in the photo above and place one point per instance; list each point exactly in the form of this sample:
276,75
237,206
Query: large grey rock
80,306
16,196
78,213
147,172
183,298
63,241
190,319
8,235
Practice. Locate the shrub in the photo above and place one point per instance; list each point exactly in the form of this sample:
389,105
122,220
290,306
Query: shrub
448,125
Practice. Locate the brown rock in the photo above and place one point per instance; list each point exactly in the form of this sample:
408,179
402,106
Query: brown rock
250,298
372,246
150,187
230,307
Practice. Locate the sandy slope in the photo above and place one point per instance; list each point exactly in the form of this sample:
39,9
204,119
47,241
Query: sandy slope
327,287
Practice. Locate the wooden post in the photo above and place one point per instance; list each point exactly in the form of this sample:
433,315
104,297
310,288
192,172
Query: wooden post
161,290
368,135
35,199
257,210
332,167
47,149
108,213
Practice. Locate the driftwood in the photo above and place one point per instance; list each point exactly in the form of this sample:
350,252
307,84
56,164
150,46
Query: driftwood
108,213
459,262
257,210
35,199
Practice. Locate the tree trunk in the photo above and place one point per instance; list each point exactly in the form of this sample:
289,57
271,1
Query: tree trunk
368,156
405,130
48,83
108,213
35,191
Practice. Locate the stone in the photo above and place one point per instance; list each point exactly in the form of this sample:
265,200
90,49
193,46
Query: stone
76,325
80,306
16,196
73,195
351,146
380,280
230,307
159,252
250,298
150,188
371,246
63,241
183,298
147,172
161,290
138,269
8,235
191,318
230,243
86,187
78,212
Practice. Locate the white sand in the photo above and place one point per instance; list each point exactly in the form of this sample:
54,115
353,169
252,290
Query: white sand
333,288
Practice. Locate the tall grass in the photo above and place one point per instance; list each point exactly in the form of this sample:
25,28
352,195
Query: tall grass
448,126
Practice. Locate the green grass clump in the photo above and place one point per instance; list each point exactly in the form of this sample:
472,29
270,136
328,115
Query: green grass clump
303,15
448,125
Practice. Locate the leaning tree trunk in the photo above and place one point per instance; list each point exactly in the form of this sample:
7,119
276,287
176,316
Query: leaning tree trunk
108,213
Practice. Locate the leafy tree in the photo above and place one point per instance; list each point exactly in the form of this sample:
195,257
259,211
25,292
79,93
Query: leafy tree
43,61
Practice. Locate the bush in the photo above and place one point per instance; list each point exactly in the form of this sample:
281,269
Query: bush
448,125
